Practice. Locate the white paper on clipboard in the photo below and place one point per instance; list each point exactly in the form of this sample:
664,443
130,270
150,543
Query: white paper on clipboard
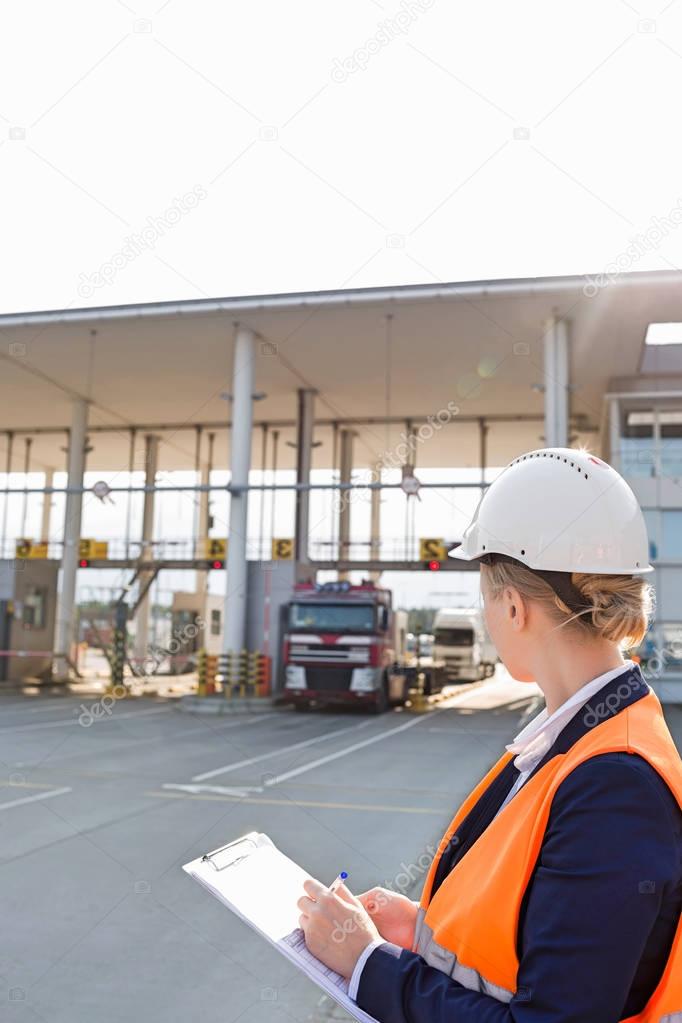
262,886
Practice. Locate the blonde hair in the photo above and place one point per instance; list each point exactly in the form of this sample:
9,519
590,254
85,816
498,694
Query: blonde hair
621,605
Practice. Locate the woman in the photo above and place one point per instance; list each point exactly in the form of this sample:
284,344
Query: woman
555,894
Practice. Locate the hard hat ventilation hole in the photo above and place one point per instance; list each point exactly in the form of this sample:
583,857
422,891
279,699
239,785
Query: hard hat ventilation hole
523,552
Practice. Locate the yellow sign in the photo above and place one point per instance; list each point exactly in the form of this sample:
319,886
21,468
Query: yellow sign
282,549
93,550
214,548
31,549
432,549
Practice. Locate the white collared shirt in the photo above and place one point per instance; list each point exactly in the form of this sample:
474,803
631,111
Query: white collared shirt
530,746
540,734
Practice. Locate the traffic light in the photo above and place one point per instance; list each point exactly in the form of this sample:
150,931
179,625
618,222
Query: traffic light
432,566
83,563
218,563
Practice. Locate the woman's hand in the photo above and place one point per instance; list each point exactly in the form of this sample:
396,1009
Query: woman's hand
394,915
336,926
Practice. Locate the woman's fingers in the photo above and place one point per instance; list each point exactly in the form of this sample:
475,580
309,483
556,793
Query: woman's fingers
347,896
314,889
306,905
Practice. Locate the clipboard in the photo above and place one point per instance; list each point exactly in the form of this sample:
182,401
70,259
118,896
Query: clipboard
261,886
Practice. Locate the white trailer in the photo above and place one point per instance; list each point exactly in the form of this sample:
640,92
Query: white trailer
461,645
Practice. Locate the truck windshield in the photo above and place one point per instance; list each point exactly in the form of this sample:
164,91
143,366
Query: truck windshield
454,637
333,617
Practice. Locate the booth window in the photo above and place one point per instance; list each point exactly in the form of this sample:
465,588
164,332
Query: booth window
33,610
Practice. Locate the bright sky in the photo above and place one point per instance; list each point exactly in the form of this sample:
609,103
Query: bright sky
179,149
176,149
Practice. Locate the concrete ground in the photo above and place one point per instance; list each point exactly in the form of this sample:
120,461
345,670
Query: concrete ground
101,806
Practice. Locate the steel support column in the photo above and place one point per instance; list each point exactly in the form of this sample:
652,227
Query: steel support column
151,462
234,631
614,434
47,506
304,453
345,496
66,606
5,503
375,520
556,383
201,471
483,450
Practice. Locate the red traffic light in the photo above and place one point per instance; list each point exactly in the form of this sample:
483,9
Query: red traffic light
434,566
218,563
84,563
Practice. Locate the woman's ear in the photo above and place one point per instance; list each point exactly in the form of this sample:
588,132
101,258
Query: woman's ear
517,608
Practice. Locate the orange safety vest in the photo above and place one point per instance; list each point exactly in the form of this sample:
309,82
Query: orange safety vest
469,928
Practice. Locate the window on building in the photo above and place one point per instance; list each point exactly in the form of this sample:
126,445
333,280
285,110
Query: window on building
33,608
215,621
670,427
637,443
671,535
652,518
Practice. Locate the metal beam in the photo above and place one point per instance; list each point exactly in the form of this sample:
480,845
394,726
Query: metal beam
520,287
211,424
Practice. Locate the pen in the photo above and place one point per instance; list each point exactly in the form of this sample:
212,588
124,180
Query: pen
337,881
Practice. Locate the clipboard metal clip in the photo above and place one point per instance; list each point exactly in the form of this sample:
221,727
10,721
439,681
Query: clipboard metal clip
233,852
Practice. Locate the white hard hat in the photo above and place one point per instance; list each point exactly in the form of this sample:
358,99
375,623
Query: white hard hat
559,510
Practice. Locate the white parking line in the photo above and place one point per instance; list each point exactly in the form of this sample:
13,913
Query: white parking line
44,708
276,752
348,750
221,790
65,722
34,798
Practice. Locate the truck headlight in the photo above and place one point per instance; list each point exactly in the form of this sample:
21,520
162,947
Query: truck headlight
364,680
295,677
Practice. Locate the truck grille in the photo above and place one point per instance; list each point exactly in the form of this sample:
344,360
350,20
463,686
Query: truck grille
301,654
328,679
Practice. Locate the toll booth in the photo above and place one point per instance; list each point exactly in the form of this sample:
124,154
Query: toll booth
196,624
28,608
270,589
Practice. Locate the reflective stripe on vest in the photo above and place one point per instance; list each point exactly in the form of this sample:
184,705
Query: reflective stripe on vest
469,929
439,957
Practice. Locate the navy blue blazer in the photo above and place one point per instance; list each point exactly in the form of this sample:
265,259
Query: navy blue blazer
600,911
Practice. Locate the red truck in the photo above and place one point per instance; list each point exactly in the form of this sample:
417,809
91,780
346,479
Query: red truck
345,644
